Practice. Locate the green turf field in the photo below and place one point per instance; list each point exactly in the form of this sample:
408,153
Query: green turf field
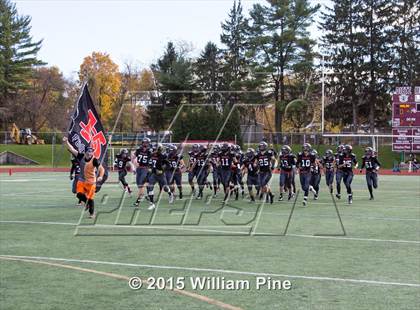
375,266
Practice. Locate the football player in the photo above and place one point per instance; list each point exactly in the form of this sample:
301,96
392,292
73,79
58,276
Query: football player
226,160
250,168
158,160
346,162
214,155
371,165
315,175
173,171
338,170
266,163
201,168
142,157
191,163
236,172
287,165
306,159
90,167
75,169
122,163
328,161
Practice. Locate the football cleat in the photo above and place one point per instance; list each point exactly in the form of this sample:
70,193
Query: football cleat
171,198
151,207
338,196
304,203
316,196
313,191
281,197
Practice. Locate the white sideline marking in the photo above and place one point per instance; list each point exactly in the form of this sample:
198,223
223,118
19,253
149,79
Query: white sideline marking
250,273
35,222
211,230
355,239
37,193
26,180
332,216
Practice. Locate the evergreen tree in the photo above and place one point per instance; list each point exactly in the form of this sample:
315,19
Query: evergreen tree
207,71
234,38
17,52
173,72
173,84
376,44
406,32
341,42
276,33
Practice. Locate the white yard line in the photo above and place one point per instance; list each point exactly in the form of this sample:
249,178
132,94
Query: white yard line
203,298
226,271
212,230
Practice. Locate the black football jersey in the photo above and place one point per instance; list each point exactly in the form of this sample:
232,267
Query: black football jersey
239,159
264,160
158,161
226,159
75,167
213,159
287,162
251,166
305,162
337,160
174,162
370,163
121,162
143,157
315,168
328,162
192,158
201,161
347,161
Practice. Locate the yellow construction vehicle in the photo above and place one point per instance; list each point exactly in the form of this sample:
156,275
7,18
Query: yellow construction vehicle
24,136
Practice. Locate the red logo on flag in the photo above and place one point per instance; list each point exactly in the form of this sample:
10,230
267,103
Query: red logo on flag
90,134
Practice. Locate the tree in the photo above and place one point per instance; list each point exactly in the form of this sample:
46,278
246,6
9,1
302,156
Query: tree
406,34
367,56
46,102
104,82
376,44
207,71
276,33
341,41
18,54
172,72
234,37
173,81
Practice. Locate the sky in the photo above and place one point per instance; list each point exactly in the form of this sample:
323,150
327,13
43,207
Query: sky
134,31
